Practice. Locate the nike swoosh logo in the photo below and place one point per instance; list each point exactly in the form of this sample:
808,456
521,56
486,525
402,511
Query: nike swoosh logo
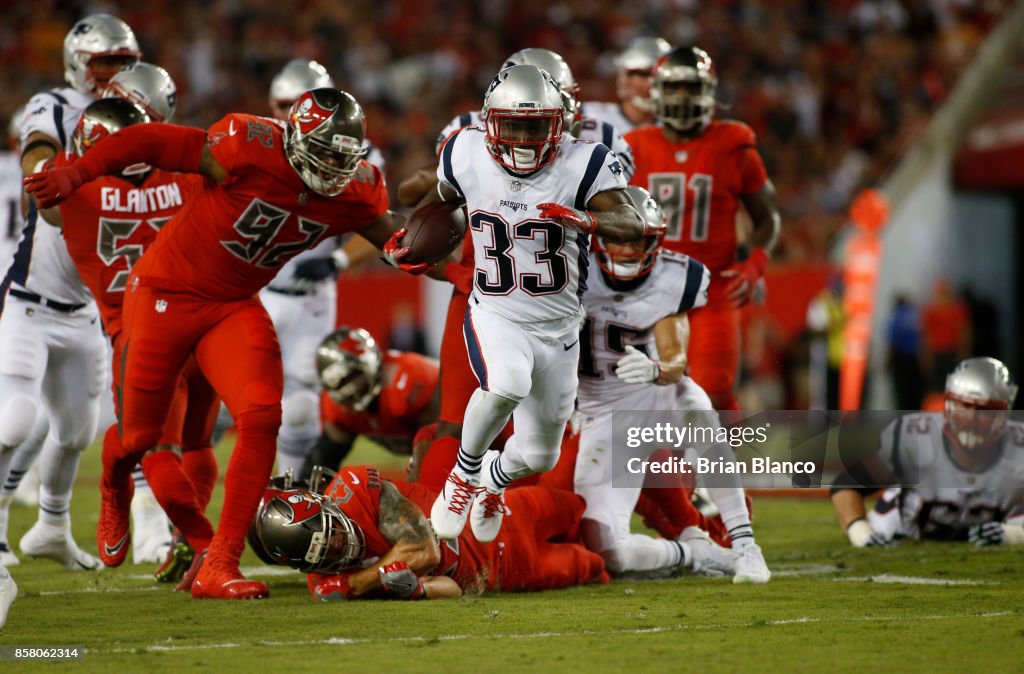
355,480
231,128
571,345
116,548
236,580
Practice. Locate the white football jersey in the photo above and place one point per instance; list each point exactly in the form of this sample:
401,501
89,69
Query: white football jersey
11,222
940,499
592,129
41,263
617,318
609,112
285,279
527,269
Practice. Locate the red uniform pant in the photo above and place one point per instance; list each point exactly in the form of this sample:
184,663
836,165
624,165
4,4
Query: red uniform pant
714,353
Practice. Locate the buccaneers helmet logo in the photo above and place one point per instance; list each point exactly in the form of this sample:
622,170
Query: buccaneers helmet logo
89,133
308,115
303,508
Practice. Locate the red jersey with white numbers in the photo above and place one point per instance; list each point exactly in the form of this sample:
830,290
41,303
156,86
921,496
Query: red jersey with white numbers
409,383
698,183
109,223
357,491
231,239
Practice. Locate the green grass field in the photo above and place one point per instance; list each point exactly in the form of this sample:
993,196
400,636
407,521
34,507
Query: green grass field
918,607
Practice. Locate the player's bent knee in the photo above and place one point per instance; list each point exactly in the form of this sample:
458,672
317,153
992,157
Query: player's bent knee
261,419
541,459
17,419
501,404
299,410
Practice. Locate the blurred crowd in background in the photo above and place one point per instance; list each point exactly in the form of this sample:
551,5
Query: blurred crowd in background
837,91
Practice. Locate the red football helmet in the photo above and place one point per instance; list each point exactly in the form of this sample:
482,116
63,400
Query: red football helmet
627,261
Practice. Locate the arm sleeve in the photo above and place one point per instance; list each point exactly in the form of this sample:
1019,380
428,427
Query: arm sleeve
164,146
446,167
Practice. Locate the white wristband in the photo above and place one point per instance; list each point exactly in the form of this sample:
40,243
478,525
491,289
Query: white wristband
39,165
1014,534
859,533
341,260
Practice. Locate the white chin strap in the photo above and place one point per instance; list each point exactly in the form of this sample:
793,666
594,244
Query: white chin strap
625,268
524,157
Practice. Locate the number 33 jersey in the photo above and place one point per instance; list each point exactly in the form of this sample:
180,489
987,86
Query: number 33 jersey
528,270
110,222
231,239
698,184
948,499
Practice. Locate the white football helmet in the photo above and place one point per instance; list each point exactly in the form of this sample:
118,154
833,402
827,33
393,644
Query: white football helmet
296,78
979,395
147,86
637,59
524,115
555,65
627,261
95,49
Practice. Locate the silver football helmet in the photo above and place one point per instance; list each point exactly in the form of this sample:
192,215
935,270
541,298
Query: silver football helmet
555,65
147,86
627,261
350,365
297,77
306,531
325,139
979,395
102,118
684,89
95,49
523,116
636,61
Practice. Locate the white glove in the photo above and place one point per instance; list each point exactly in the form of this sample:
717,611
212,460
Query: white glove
636,368
861,535
341,260
996,533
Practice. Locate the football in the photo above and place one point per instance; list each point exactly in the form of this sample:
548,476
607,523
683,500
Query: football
433,231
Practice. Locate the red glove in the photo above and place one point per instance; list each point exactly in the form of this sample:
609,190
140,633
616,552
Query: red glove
569,217
461,276
329,588
51,186
394,252
744,277
397,578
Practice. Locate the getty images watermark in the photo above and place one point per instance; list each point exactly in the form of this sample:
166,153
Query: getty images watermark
775,449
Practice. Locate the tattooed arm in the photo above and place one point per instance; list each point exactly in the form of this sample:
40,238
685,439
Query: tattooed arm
407,529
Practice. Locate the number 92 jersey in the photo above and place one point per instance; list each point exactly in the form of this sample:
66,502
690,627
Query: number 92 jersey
616,319
527,269
952,499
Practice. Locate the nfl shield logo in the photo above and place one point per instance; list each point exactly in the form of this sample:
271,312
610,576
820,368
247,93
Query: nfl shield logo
516,186
161,306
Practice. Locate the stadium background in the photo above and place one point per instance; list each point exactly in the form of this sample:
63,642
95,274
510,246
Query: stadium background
841,94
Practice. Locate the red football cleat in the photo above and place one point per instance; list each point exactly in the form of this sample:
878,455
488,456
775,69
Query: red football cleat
223,581
113,536
189,577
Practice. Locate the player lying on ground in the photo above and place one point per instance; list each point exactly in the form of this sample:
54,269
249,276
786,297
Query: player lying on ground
954,475
369,537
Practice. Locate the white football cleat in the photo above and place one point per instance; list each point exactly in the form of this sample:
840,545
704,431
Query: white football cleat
707,557
151,530
489,505
450,511
8,593
7,556
55,542
750,565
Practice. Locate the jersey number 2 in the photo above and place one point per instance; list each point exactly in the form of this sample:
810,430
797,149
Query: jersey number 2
668,190
501,279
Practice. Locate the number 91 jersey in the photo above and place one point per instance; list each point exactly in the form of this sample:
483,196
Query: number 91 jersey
527,269
951,499
617,319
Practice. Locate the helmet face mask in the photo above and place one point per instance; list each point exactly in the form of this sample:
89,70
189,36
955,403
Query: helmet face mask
979,395
324,139
148,86
306,531
350,365
684,90
95,49
628,261
524,114
297,77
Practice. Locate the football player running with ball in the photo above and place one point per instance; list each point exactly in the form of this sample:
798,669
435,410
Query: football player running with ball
534,196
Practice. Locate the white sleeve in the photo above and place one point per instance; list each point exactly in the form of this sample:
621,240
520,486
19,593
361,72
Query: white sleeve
603,172
447,166
465,119
44,113
625,154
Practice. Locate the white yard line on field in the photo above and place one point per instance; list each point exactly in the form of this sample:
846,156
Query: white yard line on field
914,580
342,641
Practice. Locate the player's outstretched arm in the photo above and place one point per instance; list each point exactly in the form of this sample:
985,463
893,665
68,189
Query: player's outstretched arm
420,184
609,214
164,146
848,492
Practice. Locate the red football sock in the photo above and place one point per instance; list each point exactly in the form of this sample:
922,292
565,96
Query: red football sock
201,467
244,483
117,465
175,494
438,462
